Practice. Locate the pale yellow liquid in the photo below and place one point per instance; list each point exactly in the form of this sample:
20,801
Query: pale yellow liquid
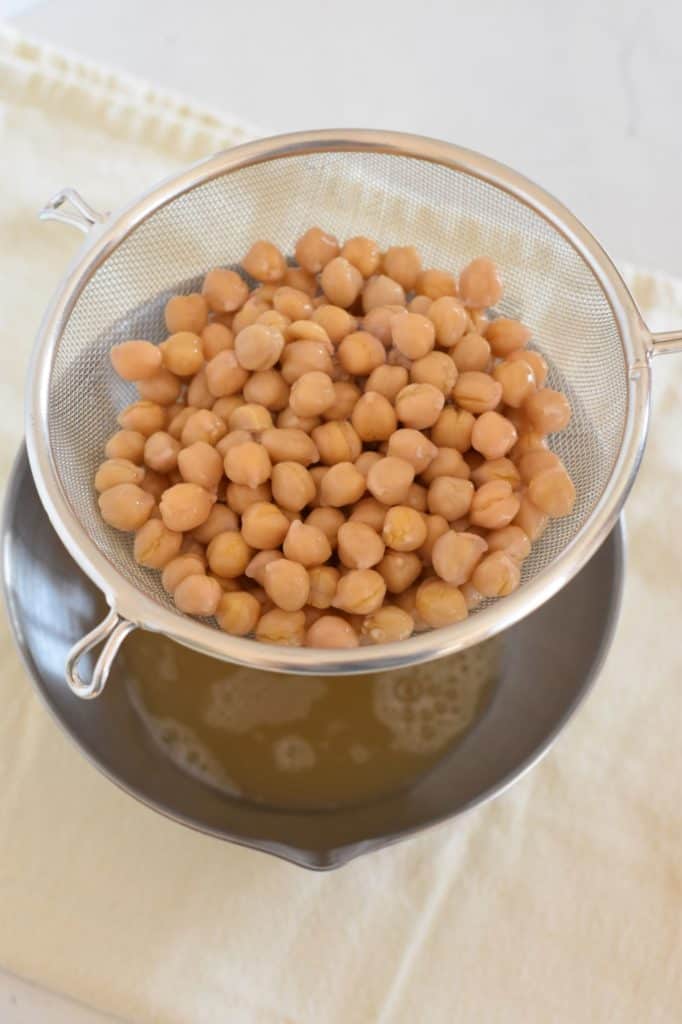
303,742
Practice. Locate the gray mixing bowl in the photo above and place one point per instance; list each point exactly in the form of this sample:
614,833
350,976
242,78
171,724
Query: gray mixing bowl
549,661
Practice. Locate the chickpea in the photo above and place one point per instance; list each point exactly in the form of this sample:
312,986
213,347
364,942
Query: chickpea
449,319
536,462
197,595
363,253
250,417
224,291
402,264
517,380
497,469
341,485
389,480
493,435
436,526
258,347
337,442
371,512
143,417
507,336
185,506
404,528
175,571
280,627
456,555
359,546
248,315
553,492
477,392
126,444
224,375
360,592
216,338
436,284
419,405
125,506
228,554
255,570
496,575
182,353
271,318
286,584
420,304
155,545
200,464
511,540
335,321
198,394
232,438
177,420
264,262
471,353
154,483
136,360
239,497
160,452
412,446
307,330
453,429
360,352
301,357
387,624
292,303
373,417
324,580
306,544
341,282
534,360
312,394
447,462
163,388
547,410
494,505
413,335
387,380
532,521
479,283
529,441
289,445
407,602
315,249
220,519
292,486
399,570
380,290
378,322
345,397
297,277
329,520
437,369
238,613
264,526
117,471
248,464
331,631
440,604
450,497
267,388
203,425
416,497
186,313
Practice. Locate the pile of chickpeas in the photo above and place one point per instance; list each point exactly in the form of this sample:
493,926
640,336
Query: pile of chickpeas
342,451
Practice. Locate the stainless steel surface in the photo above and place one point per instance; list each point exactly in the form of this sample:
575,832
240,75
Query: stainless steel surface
667,343
111,632
68,207
453,204
548,664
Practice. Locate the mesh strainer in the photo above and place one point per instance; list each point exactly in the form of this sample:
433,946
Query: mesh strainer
453,205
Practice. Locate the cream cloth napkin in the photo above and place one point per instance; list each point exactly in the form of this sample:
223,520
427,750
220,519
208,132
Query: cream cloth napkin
559,902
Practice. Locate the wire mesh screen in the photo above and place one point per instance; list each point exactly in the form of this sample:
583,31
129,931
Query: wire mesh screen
449,215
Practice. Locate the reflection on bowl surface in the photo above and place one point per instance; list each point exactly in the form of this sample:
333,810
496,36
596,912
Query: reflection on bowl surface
302,742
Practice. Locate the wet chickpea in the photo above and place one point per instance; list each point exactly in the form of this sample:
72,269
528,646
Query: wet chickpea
517,380
373,417
248,315
280,627
224,291
436,526
301,357
387,624
494,505
329,520
371,512
182,353
228,554
258,347
224,375
378,322
198,394
202,425
363,253
360,592
518,418
453,429
315,249
389,480
360,352
264,262
440,603
437,369
198,595
387,381
359,546
547,410
306,544
292,486
264,525
449,319
175,571
436,284
125,506
239,497
323,583
126,444
420,304
247,464
404,528
331,631
474,599
336,322
416,497
507,336
419,405
496,469
536,362
413,335
220,519
529,441
553,492
412,446
341,485
297,277
337,442
455,555
341,282
450,497
232,438
511,540
238,613
185,506
446,462
255,570
399,570
493,435
163,388
176,420
477,392
496,575
267,388
143,418
155,545
186,313
532,463
402,264
154,483
117,471
292,303
364,463
287,584
289,445
200,464
136,360
346,395
479,283
312,394
381,290
161,452
532,521
471,353
250,417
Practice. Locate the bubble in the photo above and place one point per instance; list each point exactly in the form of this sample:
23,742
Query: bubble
293,754
245,700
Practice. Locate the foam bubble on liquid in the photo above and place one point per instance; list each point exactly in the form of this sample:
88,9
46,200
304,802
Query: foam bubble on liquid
427,706
293,754
244,700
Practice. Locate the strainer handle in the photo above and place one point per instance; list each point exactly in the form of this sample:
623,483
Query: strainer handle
69,207
112,631
666,343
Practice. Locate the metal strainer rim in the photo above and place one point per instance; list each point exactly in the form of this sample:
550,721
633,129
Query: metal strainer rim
141,610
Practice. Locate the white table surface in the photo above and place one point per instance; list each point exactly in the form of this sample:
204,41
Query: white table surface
582,97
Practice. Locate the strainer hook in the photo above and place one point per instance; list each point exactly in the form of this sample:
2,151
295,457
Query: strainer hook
112,631
68,207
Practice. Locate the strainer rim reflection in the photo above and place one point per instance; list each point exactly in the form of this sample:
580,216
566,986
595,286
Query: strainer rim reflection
143,610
